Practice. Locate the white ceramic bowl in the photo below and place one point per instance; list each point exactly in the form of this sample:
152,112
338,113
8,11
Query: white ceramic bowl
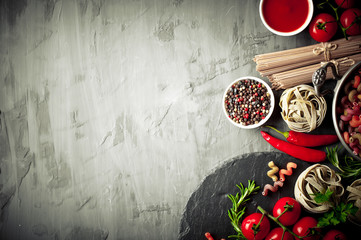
270,110
300,29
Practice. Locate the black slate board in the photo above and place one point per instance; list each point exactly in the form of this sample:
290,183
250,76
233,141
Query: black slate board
206,210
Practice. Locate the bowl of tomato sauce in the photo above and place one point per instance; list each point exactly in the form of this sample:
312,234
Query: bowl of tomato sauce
286,17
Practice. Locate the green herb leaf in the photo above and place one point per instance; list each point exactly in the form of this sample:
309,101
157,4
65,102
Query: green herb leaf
350,169
343,210
337,214
323,197
237,211
326,220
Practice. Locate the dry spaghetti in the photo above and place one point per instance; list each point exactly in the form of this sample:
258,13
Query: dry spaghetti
303,75
291,67
279,61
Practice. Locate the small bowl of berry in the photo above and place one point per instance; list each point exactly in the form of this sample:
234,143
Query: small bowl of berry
248,102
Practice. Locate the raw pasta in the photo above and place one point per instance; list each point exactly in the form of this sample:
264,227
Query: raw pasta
303,75
287,171
269,187
349,112
302,109
316,179
272,173
354,197
292,67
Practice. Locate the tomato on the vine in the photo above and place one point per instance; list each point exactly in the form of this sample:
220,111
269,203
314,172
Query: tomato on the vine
334,235
351,16
291,216
250,222
305,227
323,27
345,3
276,234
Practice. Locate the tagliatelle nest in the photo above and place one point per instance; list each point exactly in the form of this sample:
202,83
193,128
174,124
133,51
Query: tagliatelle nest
316,179
302,109
355,197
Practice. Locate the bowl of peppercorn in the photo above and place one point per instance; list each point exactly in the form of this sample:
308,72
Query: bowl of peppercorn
248,102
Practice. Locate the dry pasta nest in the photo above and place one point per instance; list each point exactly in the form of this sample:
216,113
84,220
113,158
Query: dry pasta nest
354,196
316,179
302,109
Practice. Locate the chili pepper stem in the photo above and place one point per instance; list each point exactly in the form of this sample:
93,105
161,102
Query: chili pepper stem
285,134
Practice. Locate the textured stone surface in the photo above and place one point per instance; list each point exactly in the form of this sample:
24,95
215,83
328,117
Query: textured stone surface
111,111
206,210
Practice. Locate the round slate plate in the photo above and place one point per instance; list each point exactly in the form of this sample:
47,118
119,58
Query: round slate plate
207,208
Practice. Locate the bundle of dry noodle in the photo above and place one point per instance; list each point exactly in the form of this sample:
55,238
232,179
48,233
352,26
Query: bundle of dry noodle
302,109
292,67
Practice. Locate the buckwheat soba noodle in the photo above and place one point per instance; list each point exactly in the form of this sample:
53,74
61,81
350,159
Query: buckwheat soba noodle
302,109
354,196
292,67
317,179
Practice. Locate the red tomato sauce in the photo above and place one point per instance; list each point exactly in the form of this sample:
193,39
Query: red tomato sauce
285,15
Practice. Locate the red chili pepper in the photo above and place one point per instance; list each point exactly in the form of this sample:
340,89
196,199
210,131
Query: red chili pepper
302,153
308,140
355,121
208,236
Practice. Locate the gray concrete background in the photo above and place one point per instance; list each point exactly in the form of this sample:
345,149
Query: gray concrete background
111,111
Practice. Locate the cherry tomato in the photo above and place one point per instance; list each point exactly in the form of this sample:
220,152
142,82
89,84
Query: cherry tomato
323,27
334,235
304,227
253,220
276,234
345,3
347,18
291,216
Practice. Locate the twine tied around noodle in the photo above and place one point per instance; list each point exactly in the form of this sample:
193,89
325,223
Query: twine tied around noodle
346,62
326,49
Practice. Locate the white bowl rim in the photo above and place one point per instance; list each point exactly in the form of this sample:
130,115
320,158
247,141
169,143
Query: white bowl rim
300,29
272,106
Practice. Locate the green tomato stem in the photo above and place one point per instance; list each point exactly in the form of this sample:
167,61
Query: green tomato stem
264,212
256,228
284,211
283,234
335,10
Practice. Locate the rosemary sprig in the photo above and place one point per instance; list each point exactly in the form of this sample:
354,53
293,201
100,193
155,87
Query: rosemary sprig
350,169
238,209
